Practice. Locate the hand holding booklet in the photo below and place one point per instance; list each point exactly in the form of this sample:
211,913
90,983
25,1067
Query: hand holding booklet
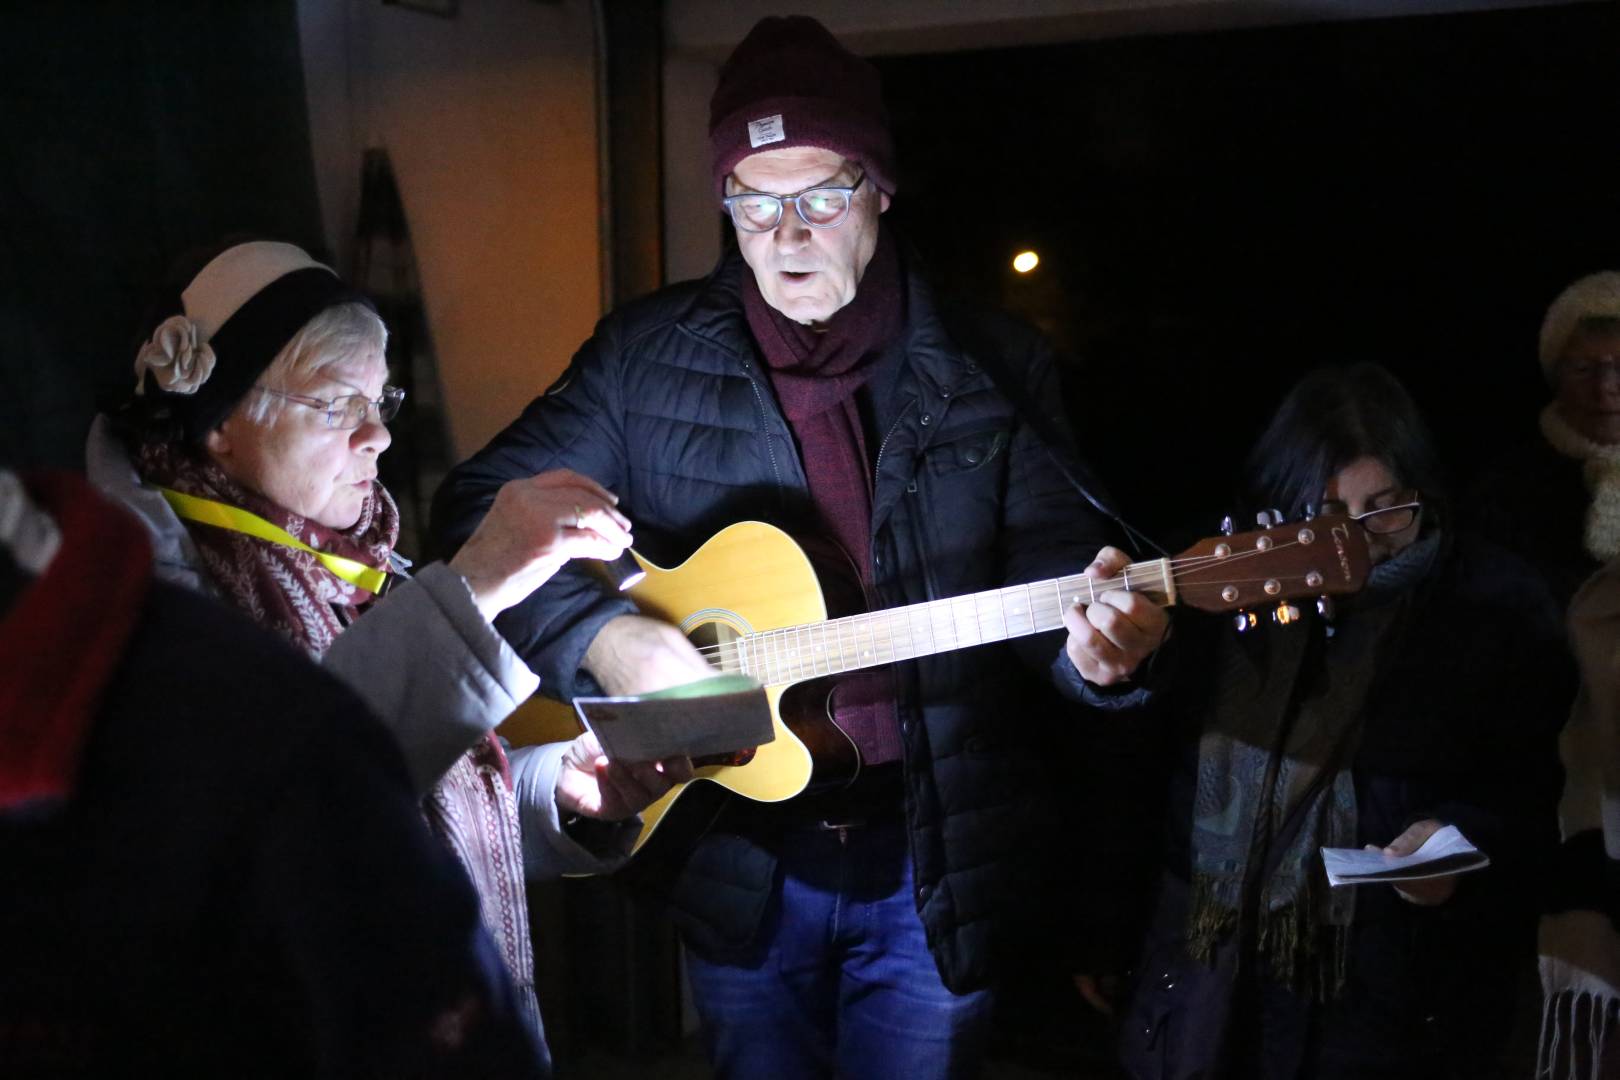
1446,852
721,715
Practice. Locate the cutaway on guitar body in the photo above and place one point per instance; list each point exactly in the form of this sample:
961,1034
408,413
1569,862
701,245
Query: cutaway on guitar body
748,579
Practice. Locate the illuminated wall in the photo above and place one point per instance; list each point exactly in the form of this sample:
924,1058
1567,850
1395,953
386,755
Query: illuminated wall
490,121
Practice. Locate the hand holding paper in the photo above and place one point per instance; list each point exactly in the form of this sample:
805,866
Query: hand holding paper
591,785
1445,853
714,716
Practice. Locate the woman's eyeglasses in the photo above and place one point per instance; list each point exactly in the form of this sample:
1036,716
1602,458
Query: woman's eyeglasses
1382,520
349,411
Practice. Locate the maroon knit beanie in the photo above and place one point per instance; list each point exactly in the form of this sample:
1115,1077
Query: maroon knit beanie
790,83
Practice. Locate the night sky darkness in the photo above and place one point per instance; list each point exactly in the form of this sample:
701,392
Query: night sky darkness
1216,213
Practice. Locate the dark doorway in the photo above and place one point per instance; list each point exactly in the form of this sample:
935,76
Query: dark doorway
1217,212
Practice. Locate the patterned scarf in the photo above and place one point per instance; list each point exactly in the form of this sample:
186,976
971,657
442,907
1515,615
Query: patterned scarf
472,808
280,588
1580,948
1278,745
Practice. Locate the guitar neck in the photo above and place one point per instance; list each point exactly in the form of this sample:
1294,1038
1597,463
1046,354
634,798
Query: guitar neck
795,653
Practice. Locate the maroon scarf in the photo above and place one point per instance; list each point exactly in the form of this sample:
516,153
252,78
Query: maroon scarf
280,588
816,375
64,638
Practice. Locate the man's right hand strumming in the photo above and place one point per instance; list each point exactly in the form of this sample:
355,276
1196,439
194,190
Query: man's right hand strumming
633,654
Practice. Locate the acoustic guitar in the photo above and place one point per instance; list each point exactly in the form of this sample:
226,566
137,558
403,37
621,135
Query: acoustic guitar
751,602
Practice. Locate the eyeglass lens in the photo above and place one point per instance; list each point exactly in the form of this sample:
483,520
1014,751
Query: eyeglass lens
820,208
1393,518
350,411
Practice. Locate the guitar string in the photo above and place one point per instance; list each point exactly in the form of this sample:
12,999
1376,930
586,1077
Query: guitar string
895,646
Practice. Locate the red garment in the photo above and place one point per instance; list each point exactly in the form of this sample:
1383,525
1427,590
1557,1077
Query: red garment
816,374
63,639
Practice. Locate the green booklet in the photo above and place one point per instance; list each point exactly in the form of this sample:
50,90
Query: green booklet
715,716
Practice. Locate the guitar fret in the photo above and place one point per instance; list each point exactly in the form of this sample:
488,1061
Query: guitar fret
872,639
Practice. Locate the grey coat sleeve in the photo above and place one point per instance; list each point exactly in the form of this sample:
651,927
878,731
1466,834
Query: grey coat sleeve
574,425
433,669
548,850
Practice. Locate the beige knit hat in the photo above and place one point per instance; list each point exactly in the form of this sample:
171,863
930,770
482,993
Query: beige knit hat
1594,296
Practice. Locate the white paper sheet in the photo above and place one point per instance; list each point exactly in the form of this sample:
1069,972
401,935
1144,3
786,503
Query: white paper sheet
1446,852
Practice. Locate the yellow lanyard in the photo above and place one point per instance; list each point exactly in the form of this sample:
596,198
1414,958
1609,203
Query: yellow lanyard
209,512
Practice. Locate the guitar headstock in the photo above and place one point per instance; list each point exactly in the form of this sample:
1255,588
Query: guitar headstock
1325,556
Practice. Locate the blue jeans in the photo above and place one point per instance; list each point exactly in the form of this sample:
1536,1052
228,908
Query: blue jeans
841,981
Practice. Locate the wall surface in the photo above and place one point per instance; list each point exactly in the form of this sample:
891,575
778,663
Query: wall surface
490,121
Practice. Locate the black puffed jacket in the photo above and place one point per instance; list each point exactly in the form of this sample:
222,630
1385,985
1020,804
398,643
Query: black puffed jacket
669,406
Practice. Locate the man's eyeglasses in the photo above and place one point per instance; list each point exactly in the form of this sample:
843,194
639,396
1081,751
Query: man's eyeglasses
817,207
349,411
1382,520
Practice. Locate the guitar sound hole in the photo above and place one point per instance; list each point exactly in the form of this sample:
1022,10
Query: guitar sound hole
716,641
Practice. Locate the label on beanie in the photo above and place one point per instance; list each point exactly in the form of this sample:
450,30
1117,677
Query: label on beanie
767,129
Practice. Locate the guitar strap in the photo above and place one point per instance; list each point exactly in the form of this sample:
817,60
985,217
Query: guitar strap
1078,474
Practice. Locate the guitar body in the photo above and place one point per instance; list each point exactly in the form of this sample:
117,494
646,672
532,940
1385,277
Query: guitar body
748,578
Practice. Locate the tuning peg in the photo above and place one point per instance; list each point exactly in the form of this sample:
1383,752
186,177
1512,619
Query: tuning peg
1285,614
1227,528
1244,621
1325,607
1264,519
1310,511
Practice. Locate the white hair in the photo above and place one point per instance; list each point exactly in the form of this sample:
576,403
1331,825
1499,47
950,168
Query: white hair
339,333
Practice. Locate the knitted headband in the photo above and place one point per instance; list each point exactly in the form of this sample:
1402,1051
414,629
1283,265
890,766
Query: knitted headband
239,312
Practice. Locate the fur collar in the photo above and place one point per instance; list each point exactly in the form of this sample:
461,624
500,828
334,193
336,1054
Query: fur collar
1601,469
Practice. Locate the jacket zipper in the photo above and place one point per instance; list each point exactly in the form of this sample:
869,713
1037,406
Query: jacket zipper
877,468
765,425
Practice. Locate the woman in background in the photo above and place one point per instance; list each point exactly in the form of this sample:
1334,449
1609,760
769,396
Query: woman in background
1431,698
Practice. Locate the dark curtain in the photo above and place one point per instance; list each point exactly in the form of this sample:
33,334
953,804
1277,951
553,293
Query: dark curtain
129,134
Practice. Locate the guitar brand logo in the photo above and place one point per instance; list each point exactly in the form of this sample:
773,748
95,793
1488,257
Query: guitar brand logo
1341,537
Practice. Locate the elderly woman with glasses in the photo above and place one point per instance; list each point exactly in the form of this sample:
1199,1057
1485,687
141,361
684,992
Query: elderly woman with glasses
1430,698
250,451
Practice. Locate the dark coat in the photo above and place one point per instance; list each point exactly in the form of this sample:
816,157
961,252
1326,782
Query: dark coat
242,884
1461,727
668,405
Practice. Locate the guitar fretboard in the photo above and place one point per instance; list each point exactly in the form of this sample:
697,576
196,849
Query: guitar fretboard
795,653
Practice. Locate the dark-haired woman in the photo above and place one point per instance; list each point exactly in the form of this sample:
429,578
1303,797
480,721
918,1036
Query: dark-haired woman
1431,698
